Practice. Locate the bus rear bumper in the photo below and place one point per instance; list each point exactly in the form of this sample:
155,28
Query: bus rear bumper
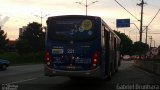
95,73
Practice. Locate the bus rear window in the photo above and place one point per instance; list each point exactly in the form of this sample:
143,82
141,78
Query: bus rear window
71,29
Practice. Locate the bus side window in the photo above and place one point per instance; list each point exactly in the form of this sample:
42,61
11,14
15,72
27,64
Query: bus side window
107,39
115,43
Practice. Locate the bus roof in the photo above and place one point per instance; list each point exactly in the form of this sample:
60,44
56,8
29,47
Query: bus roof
73,16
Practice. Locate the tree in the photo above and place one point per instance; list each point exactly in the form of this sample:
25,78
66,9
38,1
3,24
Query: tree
126,43
32,39
3,41
140,48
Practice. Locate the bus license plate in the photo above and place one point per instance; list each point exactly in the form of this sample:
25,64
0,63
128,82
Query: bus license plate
71,67
57,51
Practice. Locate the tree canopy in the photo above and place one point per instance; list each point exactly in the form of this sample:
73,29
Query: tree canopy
3,41
32,39
140,48
126,43
128,47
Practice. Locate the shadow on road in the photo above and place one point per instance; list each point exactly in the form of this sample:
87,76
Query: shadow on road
83,84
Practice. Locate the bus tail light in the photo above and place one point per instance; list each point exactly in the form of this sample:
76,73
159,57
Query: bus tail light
48,58
95,59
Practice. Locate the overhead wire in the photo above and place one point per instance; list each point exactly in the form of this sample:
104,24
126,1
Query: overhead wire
127,10
152,19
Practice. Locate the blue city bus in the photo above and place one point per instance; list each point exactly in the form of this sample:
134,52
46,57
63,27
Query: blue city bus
80,46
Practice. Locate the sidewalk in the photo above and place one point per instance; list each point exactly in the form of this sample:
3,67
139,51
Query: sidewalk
149,65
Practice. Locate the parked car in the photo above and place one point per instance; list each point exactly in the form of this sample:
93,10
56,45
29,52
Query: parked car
134,57
4,64
126,57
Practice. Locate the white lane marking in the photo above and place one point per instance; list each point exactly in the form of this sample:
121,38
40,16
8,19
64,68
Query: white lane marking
25,66
22,70
22,81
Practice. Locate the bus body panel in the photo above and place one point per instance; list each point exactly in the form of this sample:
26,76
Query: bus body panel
95,73
76,58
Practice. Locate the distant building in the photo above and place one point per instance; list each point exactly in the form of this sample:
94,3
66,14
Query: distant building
22,30
159,49
153,52
12,46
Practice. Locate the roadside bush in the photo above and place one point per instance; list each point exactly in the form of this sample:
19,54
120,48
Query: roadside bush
16,58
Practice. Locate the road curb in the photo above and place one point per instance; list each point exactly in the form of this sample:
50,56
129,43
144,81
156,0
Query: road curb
148,65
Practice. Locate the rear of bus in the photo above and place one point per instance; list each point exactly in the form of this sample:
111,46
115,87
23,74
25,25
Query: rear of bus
73,46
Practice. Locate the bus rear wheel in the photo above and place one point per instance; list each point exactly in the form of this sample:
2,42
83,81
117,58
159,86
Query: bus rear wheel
109,76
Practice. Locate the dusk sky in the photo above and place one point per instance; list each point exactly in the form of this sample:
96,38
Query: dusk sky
17,13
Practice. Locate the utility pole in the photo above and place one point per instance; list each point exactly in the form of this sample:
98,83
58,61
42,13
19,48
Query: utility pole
154,42
150,41
141,21
146,34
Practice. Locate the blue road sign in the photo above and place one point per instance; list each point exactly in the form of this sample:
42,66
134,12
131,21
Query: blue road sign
121,23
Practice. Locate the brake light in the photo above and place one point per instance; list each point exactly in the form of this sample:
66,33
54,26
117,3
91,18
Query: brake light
95,59
48,58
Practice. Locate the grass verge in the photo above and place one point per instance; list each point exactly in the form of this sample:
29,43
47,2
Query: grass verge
17,59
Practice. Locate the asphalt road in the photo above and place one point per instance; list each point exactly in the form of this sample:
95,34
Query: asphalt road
30,77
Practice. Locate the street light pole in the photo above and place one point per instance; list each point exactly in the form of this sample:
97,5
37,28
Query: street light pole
136,36
135,26
41,17
129,33
86,5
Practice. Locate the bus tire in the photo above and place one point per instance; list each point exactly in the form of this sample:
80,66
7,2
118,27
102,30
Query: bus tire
117,70
109,76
